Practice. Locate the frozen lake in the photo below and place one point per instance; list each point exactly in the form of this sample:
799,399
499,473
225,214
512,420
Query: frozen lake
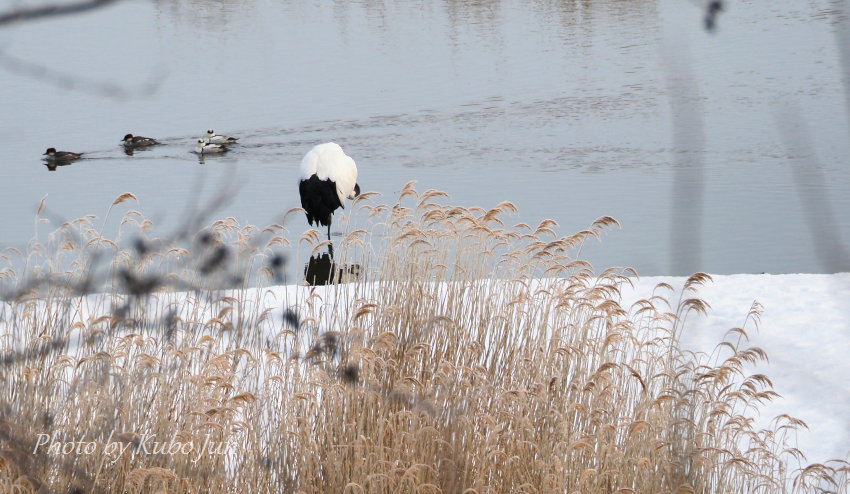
723,152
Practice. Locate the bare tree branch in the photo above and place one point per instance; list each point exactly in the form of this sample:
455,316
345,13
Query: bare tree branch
831,253
841,12
71,82
688,168
28,14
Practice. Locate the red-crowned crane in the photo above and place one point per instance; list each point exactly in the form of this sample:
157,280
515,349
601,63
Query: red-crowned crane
328,178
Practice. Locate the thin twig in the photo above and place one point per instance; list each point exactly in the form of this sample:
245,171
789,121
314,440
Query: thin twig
33,13
73,82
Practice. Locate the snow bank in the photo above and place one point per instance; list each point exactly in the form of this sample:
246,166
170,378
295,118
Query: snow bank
805,330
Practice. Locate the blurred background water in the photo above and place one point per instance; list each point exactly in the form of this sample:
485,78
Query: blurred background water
569,109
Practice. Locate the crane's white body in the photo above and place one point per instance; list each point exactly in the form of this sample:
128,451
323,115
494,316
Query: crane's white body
329,162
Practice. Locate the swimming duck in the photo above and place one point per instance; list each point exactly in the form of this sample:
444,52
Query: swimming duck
205,147
132,141
214,138
54,155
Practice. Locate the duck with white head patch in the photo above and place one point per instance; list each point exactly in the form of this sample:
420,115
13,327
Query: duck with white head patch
328,178
214,138
205,147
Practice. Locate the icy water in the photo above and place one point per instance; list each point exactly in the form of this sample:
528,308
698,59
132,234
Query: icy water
724,152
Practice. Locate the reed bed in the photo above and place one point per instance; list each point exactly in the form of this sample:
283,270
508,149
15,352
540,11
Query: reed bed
461,356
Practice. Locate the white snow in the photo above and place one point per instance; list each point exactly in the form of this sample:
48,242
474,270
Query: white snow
805,330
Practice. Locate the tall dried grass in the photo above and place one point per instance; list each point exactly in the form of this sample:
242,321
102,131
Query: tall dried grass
469,357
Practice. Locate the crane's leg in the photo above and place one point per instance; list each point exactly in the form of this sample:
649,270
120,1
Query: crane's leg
330,243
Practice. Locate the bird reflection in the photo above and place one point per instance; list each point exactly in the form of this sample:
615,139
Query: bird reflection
52,165
130,150
322,270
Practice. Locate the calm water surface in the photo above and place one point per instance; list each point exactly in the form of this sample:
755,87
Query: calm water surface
571,110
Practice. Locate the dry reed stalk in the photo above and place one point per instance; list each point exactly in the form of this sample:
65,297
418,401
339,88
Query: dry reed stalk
468,357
